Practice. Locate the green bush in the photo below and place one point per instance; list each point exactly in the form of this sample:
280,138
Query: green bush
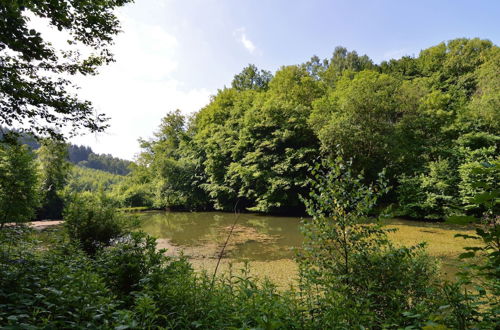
351,274
129,285
476,150
135,195
19,196
389,283
192,300
352,277
480,305
431,194
53,289
128,261
93,222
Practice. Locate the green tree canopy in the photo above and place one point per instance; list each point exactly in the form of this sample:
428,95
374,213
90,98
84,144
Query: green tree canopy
18,184
429,120
251,78
54,169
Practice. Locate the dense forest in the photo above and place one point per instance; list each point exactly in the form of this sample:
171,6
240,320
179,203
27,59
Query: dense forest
45,173
427,121
84,156
82,179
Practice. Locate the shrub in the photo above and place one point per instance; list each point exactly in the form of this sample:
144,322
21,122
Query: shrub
94,222
19,196
178,298
135,195
50,289
129,285
479,306
431,194
351,274
129,260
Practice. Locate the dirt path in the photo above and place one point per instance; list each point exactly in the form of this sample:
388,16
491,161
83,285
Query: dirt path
44,224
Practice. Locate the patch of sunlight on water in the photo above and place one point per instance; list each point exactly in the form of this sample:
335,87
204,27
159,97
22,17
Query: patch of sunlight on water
267,242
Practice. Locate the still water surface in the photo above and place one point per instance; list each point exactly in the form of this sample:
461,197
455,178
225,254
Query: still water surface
202,234
257,237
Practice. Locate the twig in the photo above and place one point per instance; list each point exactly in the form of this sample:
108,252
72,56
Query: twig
237,214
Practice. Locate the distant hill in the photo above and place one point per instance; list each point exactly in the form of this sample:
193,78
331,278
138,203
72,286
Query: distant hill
85,157
87,179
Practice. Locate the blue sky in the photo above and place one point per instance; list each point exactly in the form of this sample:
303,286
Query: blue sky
175,54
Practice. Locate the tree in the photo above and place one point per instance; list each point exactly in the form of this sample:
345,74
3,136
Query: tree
422,118
217,128
18,184
171,169
343,60
258,144
251,78
358,118
482,270
54,169
293,84
275,148
452,65
348,265
339,203
484,107
33,91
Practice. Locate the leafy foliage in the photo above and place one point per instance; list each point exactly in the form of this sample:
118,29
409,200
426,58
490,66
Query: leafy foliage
54,169
106,163
429,120
19,194
93,222
53,289
483,269
128,283
83,179
251,78
349,268
33,87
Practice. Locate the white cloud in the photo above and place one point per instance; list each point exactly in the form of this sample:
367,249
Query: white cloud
137,90
143,51
135,108
241,36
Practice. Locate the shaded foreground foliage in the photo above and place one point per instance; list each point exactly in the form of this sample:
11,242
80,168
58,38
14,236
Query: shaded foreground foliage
351,275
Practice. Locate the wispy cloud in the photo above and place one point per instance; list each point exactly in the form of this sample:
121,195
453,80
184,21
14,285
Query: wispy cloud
241,36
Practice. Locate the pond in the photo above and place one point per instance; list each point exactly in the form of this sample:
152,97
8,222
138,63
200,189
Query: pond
268,242
203,234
